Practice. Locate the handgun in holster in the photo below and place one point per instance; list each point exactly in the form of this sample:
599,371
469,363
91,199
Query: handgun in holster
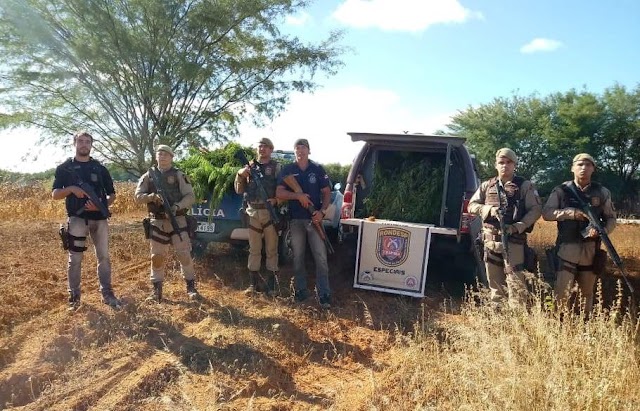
146,224
64,236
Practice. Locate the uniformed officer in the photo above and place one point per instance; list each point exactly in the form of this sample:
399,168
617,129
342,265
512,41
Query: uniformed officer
316,191
522,208
85,217
260,222
577,241
161,233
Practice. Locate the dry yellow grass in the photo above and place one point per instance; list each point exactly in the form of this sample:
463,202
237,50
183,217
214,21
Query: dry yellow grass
371,352
510,360
625,238
33,201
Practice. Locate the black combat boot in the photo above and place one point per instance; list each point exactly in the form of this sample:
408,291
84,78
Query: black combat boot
253,282
156,295
110,299
191,290
74,301
272,284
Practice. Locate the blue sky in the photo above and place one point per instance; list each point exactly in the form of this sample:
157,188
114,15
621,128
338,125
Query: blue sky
414,63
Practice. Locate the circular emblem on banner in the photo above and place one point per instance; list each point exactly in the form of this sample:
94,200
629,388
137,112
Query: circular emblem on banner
392,246
411,282
171,179
312,178
366,276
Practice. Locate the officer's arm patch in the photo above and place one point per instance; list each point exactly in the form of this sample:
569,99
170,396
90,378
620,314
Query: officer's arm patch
186,179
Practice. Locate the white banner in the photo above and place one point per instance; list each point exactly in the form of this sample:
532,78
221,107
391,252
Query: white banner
392,257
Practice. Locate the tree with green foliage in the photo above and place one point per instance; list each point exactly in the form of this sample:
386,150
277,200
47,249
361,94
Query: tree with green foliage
519,123
337,173
620,156
548,132
139,73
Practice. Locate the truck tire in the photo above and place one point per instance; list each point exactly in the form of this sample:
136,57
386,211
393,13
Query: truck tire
285,252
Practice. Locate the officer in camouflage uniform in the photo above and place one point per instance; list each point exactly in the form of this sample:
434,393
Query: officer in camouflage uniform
260,224
577,241
179,192
523,208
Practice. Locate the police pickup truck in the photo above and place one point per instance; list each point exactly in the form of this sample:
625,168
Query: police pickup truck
453,250
224,223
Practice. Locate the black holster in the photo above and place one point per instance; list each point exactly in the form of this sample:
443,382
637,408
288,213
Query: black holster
192,226
552,259
146,224
64,236
530,259
244,217
599,261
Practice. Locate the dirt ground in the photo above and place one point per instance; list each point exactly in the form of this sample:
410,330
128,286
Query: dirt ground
228,351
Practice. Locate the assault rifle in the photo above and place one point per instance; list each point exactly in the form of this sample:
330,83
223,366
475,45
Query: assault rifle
156,178
595,224
292,183
258,178
91,193
504,235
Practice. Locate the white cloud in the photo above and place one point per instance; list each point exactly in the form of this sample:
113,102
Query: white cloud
402,15
539,45
299,19
326,116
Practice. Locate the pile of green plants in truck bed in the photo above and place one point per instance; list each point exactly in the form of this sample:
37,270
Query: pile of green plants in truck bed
406,187
214,171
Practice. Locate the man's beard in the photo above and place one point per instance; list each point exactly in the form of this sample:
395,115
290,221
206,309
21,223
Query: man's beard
83,151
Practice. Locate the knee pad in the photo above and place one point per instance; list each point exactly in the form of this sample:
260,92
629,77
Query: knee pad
157,261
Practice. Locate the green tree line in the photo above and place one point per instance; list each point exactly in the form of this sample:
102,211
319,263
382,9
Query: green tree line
547,132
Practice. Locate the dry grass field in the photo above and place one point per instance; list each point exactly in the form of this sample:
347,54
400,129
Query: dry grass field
372,351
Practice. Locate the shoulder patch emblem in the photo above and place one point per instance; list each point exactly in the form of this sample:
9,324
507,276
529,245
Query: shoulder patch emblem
186,179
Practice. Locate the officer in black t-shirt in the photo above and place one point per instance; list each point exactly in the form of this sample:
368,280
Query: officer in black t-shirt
77,180
316,190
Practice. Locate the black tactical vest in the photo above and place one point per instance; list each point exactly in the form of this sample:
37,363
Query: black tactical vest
515,204
90,173
569,230
171,187
269,172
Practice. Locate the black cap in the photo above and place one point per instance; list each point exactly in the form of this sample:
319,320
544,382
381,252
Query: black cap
301,142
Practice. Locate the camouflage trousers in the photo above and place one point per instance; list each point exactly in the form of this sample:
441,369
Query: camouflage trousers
505,285
576,265
260,227
161,240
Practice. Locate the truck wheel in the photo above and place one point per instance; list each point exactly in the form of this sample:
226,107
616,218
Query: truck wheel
198,249
285,252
